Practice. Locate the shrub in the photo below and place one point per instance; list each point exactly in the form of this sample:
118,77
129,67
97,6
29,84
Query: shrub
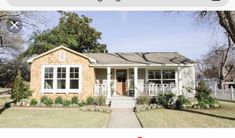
181,102
82,103
58,100
33,102
74,100
20,89
43,99
66,102
46,101
161,100
90,100
100,100
143,99
202,91
171,103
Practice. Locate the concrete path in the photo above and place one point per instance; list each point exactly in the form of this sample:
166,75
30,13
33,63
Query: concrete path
123,118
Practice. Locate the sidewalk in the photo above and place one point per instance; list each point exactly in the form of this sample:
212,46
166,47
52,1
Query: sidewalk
123,118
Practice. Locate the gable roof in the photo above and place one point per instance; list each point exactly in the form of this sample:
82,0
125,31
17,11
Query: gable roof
146,58
140,58
61,47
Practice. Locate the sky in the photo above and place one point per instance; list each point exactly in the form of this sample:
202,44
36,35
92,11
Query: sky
147,31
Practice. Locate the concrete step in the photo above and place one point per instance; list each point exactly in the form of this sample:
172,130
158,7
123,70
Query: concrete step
123,102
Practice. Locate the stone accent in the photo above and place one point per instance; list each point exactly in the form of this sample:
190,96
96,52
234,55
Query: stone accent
88,73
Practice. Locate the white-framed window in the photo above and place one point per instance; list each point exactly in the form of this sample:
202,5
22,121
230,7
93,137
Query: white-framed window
48,77
162,76
74,78
154,76
61,78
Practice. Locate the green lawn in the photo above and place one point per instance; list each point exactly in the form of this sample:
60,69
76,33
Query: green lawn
52,118
165,118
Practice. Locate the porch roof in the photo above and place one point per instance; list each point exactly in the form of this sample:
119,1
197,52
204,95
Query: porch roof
148,58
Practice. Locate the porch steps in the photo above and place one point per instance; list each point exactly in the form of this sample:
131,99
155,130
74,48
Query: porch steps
123,102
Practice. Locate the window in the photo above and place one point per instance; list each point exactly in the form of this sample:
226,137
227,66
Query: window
161,76
168,76
62,78
48,77
74,78
154,76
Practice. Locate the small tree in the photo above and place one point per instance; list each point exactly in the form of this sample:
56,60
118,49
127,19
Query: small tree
20,89
202,91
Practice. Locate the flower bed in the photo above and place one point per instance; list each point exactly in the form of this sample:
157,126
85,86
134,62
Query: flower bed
201,100
96,104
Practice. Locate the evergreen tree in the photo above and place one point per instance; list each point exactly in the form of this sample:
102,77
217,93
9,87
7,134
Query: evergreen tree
20,89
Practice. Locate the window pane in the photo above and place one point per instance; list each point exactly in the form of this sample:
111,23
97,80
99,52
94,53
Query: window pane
48,84
168,74
74,72
74,84
48,72
158,74
76,69
151,75
60,84
71,69
61,72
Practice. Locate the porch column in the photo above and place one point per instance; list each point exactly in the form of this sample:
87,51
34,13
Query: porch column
194,79
179,81
108,83
136,81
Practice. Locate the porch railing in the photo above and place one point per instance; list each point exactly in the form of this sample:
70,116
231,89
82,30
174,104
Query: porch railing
148,89
155,89
100,89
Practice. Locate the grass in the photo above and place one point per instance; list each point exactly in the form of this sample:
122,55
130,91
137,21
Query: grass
223,117
52,118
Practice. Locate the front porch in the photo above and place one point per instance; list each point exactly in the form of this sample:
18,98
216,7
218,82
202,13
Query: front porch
134,81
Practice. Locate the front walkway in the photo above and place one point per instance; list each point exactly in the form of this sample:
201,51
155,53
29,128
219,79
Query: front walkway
123,118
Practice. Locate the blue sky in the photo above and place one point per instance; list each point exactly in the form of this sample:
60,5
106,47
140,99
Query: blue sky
148,31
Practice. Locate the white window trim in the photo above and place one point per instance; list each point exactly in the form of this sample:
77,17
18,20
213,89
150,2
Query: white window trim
67,90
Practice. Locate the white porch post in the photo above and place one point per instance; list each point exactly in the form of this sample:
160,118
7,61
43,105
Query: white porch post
179,81
176,81
136,81
108,82
194,79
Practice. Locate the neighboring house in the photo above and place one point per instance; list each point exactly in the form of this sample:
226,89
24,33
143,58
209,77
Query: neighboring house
64,72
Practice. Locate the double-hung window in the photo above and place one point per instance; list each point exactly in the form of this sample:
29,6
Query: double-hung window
155,76
48,78
61,79
74,78
168,76
161,76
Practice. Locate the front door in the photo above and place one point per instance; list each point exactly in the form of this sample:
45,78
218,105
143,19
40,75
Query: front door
121,76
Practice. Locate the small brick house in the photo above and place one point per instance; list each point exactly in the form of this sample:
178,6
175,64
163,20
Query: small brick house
65,72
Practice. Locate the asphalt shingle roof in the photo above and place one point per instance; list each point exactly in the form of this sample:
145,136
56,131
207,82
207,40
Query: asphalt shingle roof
139,58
